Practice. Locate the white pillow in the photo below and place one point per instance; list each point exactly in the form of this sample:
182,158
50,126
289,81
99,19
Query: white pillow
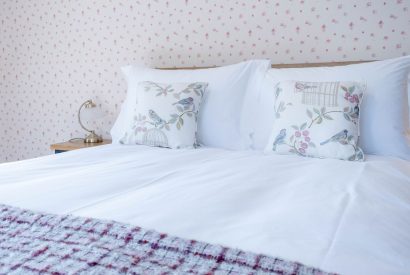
384,113
165,115
219,117
317,119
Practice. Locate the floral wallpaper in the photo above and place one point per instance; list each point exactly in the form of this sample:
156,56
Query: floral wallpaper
56,54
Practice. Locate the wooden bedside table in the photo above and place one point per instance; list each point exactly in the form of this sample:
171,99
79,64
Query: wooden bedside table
74,145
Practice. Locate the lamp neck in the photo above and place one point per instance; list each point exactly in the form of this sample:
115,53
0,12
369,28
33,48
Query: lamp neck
79,117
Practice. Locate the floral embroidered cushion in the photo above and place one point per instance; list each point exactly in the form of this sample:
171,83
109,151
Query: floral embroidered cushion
165,115
317,119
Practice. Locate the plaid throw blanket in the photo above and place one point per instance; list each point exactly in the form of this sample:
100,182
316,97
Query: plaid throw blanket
33,243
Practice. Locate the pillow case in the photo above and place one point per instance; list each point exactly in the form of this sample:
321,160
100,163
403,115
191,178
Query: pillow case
384,112
317,119
166,115
219,117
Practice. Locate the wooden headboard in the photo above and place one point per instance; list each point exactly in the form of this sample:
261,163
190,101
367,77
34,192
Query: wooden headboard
324,64
283,66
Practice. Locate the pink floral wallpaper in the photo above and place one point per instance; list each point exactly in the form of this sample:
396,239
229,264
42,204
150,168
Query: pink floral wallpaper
56,54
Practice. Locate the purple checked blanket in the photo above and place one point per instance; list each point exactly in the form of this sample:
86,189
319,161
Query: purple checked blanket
39,243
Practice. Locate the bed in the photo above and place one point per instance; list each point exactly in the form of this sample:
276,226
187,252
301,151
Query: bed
356,223
217,210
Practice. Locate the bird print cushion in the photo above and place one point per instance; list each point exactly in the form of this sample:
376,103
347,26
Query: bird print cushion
165,115
317,119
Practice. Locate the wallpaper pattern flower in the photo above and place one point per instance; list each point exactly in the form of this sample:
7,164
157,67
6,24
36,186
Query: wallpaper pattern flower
56,54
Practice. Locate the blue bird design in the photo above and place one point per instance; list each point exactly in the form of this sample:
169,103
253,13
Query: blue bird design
156,118
279,139
197,85
356,112
339,137
186,102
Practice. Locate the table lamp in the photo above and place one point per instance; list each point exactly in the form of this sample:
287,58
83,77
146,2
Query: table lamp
92,137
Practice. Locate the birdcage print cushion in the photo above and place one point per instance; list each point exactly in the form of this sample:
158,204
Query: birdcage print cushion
317,119
165,115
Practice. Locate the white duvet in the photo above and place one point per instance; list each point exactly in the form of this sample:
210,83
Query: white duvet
346,217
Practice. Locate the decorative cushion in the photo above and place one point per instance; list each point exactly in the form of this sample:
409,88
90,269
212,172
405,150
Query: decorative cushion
317,119
384,110
221,105
165,115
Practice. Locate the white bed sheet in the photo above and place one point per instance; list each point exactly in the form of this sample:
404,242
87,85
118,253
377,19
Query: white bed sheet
347,217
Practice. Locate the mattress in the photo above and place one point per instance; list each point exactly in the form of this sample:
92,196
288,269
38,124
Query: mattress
339,216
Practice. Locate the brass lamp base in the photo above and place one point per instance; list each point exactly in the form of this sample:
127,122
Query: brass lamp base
93,138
